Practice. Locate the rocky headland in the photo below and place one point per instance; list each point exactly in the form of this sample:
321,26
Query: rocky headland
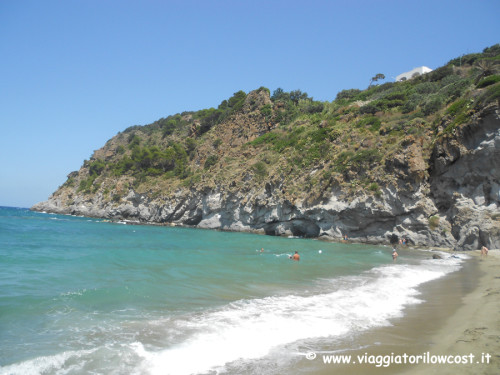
295,167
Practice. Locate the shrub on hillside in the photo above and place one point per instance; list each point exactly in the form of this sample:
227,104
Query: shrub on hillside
314,107
169,127
465,59
266,111
432,105
134,140
456,107
372,122
347,94
211,161
369,108
427,88
452,87
96,167
490,94
260,169
488,81
434,222
440,73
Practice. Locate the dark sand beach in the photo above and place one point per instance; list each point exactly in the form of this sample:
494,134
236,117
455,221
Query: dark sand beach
460,317
474,328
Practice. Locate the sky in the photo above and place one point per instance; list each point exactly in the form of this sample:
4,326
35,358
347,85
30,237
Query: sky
74,73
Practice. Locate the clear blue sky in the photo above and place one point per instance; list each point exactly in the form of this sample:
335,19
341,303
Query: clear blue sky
75,73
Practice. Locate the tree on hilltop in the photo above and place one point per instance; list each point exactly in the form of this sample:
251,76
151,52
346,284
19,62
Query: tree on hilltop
297,95
280,95
376,78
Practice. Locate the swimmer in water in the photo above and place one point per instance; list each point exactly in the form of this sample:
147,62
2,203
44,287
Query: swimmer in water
484,251
295,256
394,254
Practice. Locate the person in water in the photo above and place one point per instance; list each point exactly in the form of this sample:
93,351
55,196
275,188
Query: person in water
484,250
295,256
394,254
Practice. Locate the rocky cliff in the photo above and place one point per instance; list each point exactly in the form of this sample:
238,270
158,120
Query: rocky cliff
436,183
457,206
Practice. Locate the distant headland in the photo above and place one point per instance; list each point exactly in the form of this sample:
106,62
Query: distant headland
416,159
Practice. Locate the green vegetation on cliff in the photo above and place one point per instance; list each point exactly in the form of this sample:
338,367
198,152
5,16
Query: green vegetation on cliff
362,140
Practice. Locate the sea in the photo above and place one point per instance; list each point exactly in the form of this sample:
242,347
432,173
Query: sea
87,296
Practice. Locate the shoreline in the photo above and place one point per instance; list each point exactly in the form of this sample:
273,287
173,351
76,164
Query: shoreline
459,317
474,328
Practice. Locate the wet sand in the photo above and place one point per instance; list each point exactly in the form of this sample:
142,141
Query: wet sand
474,328
460,316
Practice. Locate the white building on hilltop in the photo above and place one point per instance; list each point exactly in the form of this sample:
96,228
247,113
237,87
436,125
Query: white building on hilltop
413,73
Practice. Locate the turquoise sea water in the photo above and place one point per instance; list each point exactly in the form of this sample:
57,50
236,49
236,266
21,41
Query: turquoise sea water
80,296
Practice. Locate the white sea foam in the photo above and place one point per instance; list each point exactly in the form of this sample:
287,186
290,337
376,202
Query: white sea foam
253,329
250,329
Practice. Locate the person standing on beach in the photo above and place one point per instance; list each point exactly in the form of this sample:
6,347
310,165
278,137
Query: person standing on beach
295,256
